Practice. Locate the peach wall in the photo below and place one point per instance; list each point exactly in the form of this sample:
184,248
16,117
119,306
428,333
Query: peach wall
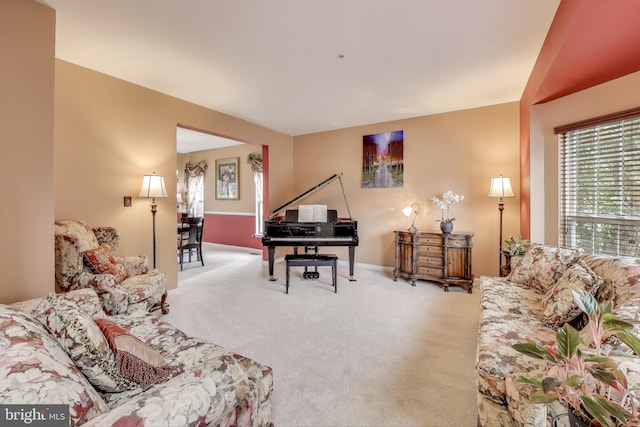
27,38
109,133
459,151
616,95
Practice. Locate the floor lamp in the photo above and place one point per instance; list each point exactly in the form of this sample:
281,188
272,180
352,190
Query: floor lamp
152,187
500,187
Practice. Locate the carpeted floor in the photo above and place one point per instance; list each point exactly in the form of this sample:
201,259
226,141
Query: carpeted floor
377,353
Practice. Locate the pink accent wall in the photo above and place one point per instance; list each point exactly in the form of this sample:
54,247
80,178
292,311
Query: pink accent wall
235,230
575,57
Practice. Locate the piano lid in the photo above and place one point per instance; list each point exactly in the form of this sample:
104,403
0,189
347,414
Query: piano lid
313,190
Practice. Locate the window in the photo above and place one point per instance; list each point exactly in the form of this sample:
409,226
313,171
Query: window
599,190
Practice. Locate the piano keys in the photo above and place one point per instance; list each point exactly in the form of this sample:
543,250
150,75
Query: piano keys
288,231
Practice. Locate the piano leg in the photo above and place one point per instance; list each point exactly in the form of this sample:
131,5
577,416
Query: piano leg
271,250
352,253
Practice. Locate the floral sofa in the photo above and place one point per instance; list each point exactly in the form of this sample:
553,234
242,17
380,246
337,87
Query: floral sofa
534,301
124,370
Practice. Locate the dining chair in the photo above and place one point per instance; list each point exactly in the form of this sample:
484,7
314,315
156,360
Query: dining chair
190,240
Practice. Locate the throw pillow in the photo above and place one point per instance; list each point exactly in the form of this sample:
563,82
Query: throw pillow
134,360
81,338
542,266
621,275
558,304
102,260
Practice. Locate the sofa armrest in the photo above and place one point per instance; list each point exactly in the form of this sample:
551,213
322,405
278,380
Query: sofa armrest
115,300
519,406
135,265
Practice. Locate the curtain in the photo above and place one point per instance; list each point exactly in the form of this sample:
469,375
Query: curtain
194,183
255,160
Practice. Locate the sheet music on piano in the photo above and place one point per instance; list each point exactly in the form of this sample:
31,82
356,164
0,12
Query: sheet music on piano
312,213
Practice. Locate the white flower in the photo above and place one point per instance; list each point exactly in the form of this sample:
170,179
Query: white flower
447,200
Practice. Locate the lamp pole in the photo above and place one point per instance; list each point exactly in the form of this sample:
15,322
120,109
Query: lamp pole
154,209
500,188
501,209
152,187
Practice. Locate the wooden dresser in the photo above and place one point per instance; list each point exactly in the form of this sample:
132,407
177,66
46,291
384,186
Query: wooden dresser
434,256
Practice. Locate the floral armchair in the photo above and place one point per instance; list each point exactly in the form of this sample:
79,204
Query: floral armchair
86,258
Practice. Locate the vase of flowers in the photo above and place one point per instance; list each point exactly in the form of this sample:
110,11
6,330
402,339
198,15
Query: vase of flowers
448,198
446,227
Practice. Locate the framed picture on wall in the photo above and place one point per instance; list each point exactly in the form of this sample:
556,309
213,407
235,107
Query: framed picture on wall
227,184
383,160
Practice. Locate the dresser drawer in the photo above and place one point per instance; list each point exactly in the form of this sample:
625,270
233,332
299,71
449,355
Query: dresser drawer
424,250
430,271
430,239
430,261
454,242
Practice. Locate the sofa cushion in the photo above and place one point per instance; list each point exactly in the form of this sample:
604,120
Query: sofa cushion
620,275
558,302
102,260
78,334
35,369
542,266
108,235
147,287
134,360
78,231
68,264
178,349
509,312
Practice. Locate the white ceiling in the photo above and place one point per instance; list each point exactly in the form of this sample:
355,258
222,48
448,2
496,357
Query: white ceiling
189,141
279,63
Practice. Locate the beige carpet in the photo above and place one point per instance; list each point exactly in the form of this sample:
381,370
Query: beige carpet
377,353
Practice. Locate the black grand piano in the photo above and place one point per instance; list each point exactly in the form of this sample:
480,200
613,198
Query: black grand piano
288,231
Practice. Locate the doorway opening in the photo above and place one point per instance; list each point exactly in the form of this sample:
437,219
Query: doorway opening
238,221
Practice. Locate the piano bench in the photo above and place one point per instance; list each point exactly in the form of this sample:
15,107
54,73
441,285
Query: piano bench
313,260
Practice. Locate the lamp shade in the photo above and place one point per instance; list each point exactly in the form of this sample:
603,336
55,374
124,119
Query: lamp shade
500,187
407,211
153,186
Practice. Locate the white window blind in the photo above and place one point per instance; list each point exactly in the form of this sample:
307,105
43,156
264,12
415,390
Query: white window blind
600,184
